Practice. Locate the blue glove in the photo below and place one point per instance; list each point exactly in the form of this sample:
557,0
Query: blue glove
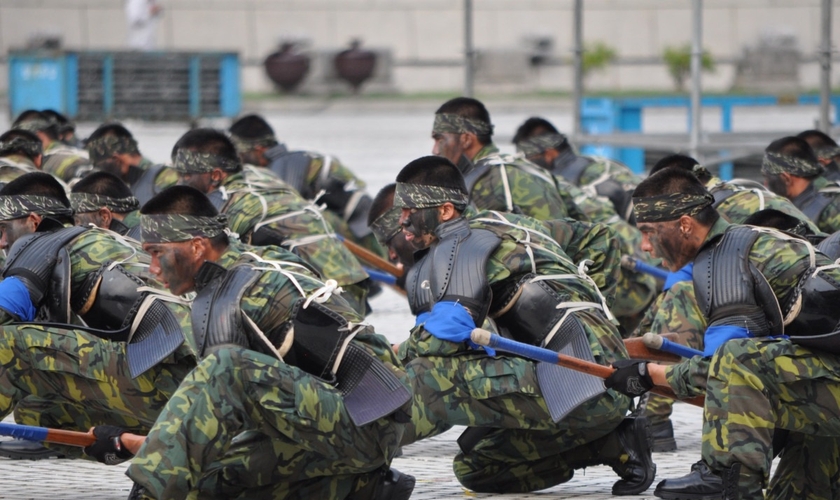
451,321
15,299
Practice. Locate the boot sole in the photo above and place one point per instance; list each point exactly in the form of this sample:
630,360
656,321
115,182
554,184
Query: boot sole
617,488
664,445
685,496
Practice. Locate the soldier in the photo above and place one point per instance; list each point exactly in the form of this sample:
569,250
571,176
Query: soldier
271,366
267,215
512,272
791,169
102,200
541,143
20,153
61,160
108,368
827,151
66,129
463,135
750,283
113,149
317,177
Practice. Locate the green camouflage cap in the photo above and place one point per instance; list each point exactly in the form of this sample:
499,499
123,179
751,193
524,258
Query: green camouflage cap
30,148
193,162
670,206
16,206
450,123
86,202
386,226
539,144
103,148
828,152
775,164
425,196
245,144
174,228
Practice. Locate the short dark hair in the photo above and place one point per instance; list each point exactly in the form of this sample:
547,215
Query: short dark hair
64,123
251,127
382,202
208,140
22,134
433,171
187,201
38,184
112,129
468,108
50,130
676,180
103,184
795,147
532,127
817,139
680,161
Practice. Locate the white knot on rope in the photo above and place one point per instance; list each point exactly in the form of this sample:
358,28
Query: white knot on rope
324,293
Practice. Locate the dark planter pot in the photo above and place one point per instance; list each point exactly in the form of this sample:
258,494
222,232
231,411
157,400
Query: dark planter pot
355,65
287,67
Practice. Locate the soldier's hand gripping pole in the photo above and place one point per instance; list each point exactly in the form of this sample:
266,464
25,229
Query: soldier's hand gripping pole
132,442
654,341
483,337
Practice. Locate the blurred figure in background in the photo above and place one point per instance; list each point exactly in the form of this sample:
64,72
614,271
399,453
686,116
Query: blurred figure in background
142,17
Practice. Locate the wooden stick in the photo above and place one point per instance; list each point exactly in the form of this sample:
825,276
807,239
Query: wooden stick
371,258
638,349
132,442
483,337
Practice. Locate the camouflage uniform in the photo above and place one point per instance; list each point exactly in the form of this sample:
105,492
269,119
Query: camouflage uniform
455,385
64,162
531,191
300,226
784,385
829,218
73,379
13,166
308,446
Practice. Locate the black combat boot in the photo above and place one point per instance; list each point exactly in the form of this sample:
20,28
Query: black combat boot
663,437
638,470
394,485
701,483
21,449
138,493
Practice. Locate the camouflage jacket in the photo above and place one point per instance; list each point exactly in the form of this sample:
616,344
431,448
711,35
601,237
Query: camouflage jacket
13,166
515,185
64,162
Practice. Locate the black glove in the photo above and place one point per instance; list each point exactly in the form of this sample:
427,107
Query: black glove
107,447
630,377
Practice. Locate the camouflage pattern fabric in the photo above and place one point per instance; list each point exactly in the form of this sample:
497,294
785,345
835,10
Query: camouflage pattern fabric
187,161
312,445
809,469
173,228
245,144
107,146
456,385
17,144
669,207
387,225
528,194
426,196
301,227
13,166
86,202
33,125
539,144
450,123
16,206
64,162
829,219
755,386
777,163
605,167
827,153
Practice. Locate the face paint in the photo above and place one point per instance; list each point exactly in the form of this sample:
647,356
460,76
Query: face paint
419,226
776,184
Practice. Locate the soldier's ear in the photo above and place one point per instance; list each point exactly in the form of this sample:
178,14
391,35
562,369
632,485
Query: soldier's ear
106,217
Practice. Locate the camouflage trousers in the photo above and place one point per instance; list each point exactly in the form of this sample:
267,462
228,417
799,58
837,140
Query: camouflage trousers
308,447
809,469
755,386
526,450
71,379
659,408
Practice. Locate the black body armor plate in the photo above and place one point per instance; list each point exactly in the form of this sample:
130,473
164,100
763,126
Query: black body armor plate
156,337
730,290
108,299
144,188
812,203
292,167
530,310
830,246
570,167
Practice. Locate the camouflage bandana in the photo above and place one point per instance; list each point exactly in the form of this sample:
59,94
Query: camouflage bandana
449,123
539,144
30,148
103,148
827,153
775,164
245,144
17,206
386,226
424,196
670,206
86,202
174,228
35,125
193,162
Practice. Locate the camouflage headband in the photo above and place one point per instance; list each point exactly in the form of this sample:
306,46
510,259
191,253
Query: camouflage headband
244,144
670,206
193,162
102,148
450,123
86,202
539,144
34,125
425,196
30,148
17,206
174,228
827,153
775,163
386,226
